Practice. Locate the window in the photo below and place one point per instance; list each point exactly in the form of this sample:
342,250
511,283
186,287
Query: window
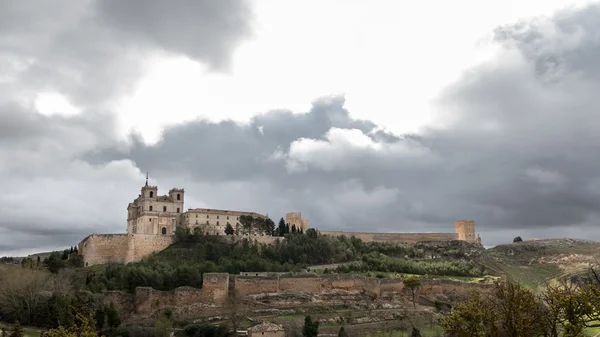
207,216
228,217
178,196
177,209
217,223
150,219
217,216
196,222
164,208
151,194
207,222
150,208
164,231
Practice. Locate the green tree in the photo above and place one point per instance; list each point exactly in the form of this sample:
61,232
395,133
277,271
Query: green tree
342,332
412,283
310,329
113,319
517,239
269,227
281,227
100,318
511,310
415,332
229,229
84,327
468,318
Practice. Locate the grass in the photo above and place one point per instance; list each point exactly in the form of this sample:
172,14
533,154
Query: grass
28,331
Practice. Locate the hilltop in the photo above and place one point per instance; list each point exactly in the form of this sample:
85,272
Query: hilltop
535,262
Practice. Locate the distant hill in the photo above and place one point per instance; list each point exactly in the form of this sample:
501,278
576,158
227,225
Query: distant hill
535,262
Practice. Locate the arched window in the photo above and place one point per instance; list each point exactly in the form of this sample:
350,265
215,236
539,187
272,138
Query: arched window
151,194
178,196
164,231
150,207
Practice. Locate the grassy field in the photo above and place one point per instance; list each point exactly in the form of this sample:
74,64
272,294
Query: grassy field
27,330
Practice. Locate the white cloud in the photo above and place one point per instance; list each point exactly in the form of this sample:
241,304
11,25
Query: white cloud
53,103
344,149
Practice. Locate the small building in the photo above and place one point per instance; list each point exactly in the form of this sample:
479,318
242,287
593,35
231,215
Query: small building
266,329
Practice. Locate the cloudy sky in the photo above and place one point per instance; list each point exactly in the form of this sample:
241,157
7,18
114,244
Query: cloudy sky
363,115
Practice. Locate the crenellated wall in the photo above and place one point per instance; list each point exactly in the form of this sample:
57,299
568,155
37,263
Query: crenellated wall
120,248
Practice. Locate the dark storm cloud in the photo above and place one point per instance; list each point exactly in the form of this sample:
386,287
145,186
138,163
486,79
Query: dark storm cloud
202,29
95,49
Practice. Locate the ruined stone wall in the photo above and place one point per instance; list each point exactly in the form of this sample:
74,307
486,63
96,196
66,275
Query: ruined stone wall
212,297
400,238
184,301
313,284
120,248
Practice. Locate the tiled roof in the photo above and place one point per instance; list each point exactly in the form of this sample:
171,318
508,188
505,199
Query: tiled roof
266,327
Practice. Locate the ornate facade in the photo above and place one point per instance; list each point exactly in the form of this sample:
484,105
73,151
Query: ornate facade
151,213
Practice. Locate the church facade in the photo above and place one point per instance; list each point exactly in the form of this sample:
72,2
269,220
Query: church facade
155,214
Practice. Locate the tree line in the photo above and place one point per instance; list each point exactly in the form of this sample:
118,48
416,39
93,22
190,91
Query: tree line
565,309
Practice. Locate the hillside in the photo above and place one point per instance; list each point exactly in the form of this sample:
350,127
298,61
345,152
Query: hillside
536,262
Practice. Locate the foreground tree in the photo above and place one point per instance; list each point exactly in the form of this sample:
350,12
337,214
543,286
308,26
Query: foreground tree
229,229
517,239
310,329
342,333
415,332
84,326
412,283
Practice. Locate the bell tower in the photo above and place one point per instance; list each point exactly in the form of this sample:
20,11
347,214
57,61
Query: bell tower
149,192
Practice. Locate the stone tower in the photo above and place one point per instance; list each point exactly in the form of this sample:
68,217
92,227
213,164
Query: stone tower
466,230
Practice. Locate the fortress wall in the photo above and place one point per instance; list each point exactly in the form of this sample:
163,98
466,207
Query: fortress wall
391,285
214,292
310,285
145,245
245,286
120,248
191,302
406,238
216,287
104,248
124,302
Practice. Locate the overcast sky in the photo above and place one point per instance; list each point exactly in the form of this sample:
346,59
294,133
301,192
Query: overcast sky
363,115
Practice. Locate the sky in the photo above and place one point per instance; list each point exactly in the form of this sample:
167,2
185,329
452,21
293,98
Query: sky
382,116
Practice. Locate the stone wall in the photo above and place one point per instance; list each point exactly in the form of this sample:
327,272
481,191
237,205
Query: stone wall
120,248
212,298
400,238
313,284
184,301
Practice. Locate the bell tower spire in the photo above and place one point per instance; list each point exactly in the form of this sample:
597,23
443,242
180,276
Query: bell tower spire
146,179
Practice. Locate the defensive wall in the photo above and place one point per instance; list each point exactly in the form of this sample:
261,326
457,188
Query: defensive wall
120,248
212,298
124,248
399,238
